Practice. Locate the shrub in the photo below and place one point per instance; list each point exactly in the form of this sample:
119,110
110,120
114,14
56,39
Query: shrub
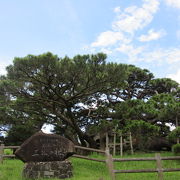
174,134
176,149
8,151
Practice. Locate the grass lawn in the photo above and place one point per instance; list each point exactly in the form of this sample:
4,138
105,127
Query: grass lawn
90,170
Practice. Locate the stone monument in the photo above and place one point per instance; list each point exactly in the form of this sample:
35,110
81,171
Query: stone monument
45,156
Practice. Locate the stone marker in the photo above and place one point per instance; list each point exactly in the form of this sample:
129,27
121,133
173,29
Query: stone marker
46,156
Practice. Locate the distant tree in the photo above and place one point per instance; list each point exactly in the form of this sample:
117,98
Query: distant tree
158,108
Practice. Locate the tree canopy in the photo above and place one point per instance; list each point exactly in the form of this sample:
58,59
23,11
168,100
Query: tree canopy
78,94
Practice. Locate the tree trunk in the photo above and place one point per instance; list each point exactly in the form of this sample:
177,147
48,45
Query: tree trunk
177,127
102,140
83,137
92,143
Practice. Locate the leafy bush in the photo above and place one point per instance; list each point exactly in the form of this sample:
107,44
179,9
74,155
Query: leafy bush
176,149
174,134
8,151
142,131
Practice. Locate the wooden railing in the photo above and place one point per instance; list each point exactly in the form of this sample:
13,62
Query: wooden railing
89,149
2,155
157,158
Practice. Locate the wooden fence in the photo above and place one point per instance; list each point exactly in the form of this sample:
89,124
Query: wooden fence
2,155
157,158
110,161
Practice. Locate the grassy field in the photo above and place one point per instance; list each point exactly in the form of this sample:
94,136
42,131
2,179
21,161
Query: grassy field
90,170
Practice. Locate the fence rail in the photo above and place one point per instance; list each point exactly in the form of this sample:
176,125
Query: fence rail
88,158
9,156
147,170
90,149
145,159
11,147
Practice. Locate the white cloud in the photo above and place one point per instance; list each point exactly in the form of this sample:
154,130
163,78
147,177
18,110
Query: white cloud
134,18
4,62
175,76
122,37
170,56
159,56
109,38
178,34
106,51
117,9
152,35
2,70
173,3
126,23
131,51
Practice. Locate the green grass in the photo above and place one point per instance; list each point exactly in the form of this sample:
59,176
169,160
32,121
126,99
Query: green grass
8,151
90,170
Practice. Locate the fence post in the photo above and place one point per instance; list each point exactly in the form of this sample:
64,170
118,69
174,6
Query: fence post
109,163
131,145
107,140
159,166
121,145
1,152
114,144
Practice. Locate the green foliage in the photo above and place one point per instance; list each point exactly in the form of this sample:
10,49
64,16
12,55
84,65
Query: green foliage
18,134
168,107
137,83
84,95
142,126
176,149
55,90
164,85
142,131
174,134
8,151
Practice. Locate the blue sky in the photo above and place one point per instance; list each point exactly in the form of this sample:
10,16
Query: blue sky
145,33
